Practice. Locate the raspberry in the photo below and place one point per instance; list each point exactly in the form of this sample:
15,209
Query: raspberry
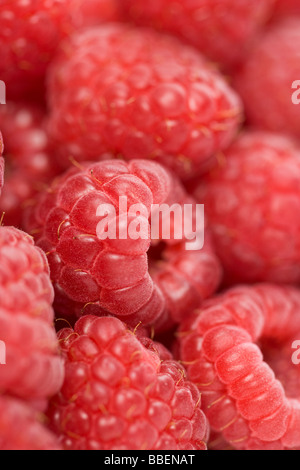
265,81
223,348
252,203
94,276
141,95
227,27
119,395
31,32
33,369
21,429
29,157
287,7
1,164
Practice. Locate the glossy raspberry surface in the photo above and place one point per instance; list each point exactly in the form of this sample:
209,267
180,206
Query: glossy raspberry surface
145,95
287,7
221,29
30,158
223,347
252,202
1,164
31,32
118,394
93,276
33,369
22,429
265,80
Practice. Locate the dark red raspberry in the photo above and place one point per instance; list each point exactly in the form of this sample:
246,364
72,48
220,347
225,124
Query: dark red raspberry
141,95
252,202
97,277
29,158
265,80
22,429
31,32
1,164
119,395
221,29
223,347
33,369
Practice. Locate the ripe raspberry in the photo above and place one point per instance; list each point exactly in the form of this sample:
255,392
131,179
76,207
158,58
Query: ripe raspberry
29,157
252,203
33,369
265,81
21,429
287,7
118,395
1,164
31,32
142,95
221,29
94,276
223,347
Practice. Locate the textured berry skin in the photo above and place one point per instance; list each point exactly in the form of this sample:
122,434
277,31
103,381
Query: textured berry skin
30,34
265,80
21,429
220,29
259,175
29,157
149,97
223,348
112,276
118,395
1,164
287,7
33,369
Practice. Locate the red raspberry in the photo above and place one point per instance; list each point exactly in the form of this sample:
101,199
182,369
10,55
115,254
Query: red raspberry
118,395
142,95
29,157
221,29
1,164
21,429
97,277
287,7
265,81
33,369
223,348
252,203
31,32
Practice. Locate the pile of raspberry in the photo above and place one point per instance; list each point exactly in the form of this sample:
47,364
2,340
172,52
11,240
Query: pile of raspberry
149,225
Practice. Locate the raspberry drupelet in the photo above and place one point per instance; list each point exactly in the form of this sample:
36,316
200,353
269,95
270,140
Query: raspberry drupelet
120,395
142,95
265,80
221,29
29,156
34,370
22,429
122,277
254,403
252,203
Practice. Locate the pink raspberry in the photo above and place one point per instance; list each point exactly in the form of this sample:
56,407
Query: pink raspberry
252,202
33,369
29,157
119,395
94,276
1,164
254,404
265,80
140,95
222,29
31,32
22,429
